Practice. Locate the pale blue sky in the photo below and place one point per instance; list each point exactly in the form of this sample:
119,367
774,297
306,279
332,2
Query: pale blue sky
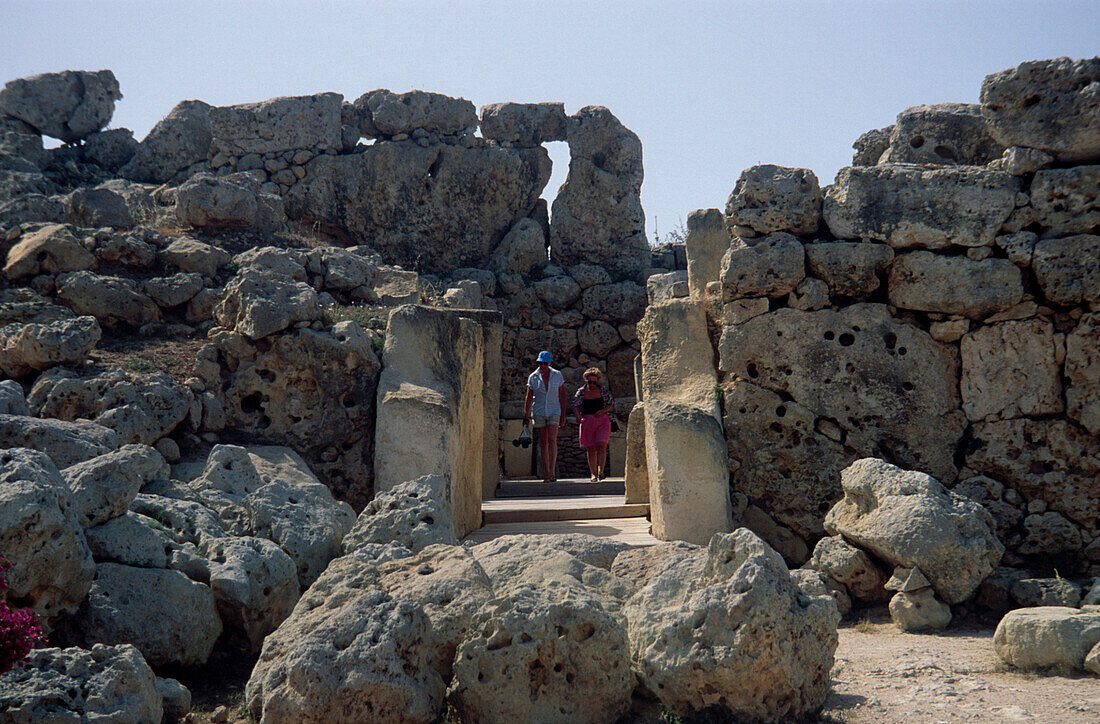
710,87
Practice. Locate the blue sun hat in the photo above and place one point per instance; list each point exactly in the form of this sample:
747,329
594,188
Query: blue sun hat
545,356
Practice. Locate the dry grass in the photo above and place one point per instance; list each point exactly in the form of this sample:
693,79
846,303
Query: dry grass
172,356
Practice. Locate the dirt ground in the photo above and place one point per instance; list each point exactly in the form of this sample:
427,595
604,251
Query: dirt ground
880,676
883,675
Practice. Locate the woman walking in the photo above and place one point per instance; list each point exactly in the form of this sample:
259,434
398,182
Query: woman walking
592,407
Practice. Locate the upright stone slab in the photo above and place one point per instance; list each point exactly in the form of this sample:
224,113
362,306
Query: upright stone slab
707,241
685,450
431,419
636,475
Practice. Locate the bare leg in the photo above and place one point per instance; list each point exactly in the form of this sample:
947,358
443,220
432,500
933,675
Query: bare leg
544,452
552,447
601,459
593,461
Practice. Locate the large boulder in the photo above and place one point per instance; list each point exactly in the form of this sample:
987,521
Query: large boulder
206,200
908,206
850,269
546,655
103,487
433,209
385,113
1083,373
277,125
35,347
803,382
522,250
40,536
1009,369
844,563
1047,636
311,391
66,443
944,134
97,207
908,519
1050,105
140,407
732,631
111,300
350,652
190,255
107,683
413,514
597,215
50,250
178,141
255,587
524,124
178,625
69,105
771,198
270,493
930,282
258,304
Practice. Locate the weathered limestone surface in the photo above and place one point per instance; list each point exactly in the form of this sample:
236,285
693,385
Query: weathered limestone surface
1067,200
706,243
850,269
769,648
945,134
771,198
433,208
431,413
1083,373
1009,370
1046,104
907,206
927,282
524,124
1038,638
636,477
69,105
1067,270
909,520
768,267
685,457
597,214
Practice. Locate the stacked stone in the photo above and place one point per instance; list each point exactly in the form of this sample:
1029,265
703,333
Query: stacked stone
939,311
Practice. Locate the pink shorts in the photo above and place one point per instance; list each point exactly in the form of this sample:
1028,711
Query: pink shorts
595,430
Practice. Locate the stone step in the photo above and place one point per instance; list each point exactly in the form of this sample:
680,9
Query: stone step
559,489
632,531
542,510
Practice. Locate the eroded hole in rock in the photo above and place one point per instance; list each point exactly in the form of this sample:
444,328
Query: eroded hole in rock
846,339
266,375
945,152
750,368
250,404
829,335
1032,100
780,411
916,141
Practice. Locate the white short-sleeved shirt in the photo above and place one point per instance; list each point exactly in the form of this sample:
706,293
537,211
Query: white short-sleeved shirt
546,400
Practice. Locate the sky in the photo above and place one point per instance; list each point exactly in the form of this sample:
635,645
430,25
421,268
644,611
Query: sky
711,88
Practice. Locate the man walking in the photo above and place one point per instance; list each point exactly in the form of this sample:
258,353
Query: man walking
544,406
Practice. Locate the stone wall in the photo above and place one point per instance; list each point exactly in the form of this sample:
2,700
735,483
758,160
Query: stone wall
938,307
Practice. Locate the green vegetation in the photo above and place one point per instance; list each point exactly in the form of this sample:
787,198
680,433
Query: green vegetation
141,365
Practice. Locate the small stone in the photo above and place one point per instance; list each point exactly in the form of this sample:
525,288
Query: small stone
220,715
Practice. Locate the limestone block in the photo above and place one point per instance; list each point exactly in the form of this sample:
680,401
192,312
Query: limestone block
178,141
1012,450
733,632
189,255
414,514
688,479
1049,533
1032,592
235,200
616,303
433,209
12,401
104,487
909,519
524,124
909,206
1019,247
180,625
1050,105
35,347
1020,161
1067,269
546,655
1083,373
822,360
109,683
109,299
919,611
50,250
840,560
258,304
111,149
928,282
706,243
393,113
1067,200
851,269
597,214
1039,638
277,125
945,134
1009,370
255,587
69,105
66,443
41,537
637,470
431,418
174,290
768,267
871,145
97,207
771,198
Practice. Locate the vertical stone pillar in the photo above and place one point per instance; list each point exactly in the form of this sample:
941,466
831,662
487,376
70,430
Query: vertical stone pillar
707,241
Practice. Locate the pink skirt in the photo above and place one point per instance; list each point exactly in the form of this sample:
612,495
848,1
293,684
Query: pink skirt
595,430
